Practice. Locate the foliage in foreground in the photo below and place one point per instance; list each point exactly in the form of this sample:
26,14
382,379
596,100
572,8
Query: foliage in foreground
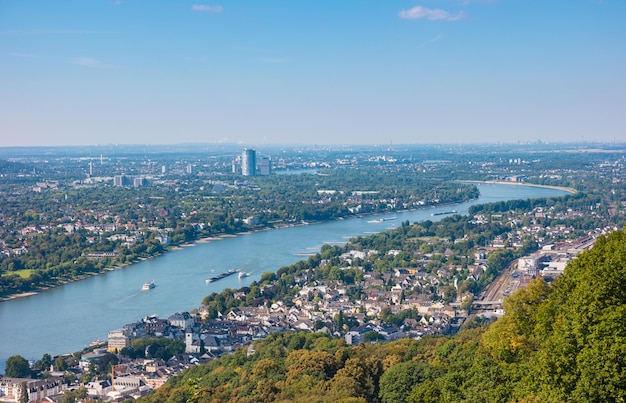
564,342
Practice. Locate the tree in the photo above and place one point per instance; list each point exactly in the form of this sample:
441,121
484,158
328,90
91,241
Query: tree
466,304
499,260
71,396
373,335
581,328
512,337
397,382
17,367
44,364
23,396
60,364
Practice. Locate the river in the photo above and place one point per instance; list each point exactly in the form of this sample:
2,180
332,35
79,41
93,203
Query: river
67,318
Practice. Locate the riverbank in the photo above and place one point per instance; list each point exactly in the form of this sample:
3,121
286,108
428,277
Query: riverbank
562,188
83,277
24,294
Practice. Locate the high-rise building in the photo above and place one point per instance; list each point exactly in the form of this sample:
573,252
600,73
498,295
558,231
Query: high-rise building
122,180
265,165
118,180
248,162
139,181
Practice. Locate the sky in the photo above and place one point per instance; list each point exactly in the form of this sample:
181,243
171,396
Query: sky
88,72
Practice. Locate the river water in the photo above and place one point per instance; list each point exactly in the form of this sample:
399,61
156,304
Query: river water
67,318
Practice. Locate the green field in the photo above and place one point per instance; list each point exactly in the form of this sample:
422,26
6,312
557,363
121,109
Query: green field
25,273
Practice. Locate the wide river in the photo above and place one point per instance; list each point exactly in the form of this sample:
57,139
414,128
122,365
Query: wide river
67,318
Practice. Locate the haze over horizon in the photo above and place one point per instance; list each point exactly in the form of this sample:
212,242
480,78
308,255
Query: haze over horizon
323,72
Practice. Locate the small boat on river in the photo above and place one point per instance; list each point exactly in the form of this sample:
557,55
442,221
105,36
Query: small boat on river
148,286
382,220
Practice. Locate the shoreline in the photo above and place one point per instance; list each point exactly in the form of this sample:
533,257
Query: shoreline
536,185
83,277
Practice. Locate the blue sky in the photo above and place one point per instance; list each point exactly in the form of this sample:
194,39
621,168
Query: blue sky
311,72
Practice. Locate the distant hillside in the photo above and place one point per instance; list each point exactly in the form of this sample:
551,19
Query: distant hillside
559,342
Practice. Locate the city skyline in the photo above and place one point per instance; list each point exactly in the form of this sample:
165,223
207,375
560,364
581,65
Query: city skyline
278,72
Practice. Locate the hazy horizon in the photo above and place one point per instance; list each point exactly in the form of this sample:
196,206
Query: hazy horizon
274,73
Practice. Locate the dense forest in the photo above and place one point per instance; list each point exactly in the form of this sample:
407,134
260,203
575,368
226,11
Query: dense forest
557,342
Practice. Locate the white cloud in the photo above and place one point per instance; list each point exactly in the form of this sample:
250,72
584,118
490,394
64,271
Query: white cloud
206,8
432,14
91,63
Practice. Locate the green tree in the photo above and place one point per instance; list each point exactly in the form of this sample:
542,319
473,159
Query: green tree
373,335
466,304
72,396
397,382
499,259
513,337
23,395
60,364
45,363
581,328
17,367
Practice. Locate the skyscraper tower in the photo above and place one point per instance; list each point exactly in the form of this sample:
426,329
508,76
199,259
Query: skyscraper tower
248,162
265,165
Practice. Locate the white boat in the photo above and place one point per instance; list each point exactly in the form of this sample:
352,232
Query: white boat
382,220
148,286
242,274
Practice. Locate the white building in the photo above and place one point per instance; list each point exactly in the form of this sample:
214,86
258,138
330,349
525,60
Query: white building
37,389
117,340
